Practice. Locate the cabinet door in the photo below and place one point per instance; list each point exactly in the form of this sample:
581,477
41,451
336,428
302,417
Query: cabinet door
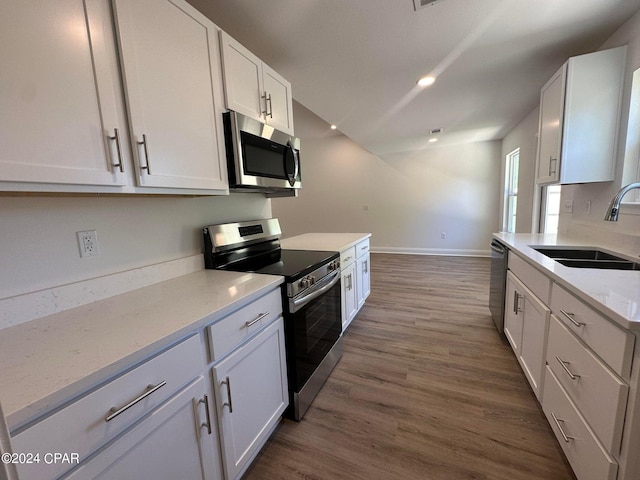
251,396
550,129
242,79
349,295
535,327
363,279
173,442
513,316
58,81
279,100
173,86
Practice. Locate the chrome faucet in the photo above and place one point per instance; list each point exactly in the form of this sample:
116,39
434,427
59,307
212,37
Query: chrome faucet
614,206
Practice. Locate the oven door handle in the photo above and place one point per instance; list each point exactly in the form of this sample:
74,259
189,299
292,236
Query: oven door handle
297,304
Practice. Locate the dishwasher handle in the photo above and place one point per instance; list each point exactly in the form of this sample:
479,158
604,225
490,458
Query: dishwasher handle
497,247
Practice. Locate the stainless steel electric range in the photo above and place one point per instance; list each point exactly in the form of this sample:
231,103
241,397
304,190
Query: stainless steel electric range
310,294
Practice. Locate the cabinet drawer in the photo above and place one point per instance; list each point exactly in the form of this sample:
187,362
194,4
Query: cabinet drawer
607,340
81,427
599,394
535,280
362,248
347,257
585,454
232,330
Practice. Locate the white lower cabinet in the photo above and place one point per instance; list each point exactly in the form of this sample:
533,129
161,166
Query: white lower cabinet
589,460
175,441
526,325
94,420
349,295
580,365
363,274
251,395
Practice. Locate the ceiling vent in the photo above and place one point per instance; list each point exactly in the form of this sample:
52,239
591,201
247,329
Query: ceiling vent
418,4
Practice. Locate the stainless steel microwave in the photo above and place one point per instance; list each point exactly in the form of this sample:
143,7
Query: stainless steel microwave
259,157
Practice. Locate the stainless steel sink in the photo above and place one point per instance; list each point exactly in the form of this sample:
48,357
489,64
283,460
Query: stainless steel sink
587,258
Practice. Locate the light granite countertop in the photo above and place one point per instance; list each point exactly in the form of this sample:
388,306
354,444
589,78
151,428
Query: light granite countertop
616,293
334,242
49,360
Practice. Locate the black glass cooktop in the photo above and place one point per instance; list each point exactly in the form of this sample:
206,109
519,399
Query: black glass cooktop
292,264
297,263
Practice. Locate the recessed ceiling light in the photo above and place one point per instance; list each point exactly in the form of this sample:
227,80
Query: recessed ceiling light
426,81
333,127
433,140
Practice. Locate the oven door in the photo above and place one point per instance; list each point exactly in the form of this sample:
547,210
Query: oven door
314,325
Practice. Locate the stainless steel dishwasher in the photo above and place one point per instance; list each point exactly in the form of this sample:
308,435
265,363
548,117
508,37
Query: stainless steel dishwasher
499,261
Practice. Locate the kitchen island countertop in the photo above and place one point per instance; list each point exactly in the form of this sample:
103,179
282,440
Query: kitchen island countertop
337,242
616,293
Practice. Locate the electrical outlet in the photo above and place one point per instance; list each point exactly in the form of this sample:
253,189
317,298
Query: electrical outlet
568,206
443,236
88,243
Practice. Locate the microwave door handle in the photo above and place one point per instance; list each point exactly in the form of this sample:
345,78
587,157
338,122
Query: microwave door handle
296,163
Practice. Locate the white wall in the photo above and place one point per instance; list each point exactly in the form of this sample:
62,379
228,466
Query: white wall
523,136
40,250
406,200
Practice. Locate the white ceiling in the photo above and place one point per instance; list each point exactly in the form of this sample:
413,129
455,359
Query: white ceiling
355,63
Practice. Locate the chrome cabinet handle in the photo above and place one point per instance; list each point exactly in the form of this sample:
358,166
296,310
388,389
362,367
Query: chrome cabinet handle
116,137
365,266
551,159
516,302
564,364
147,167
115,411
257,319
205,400
557,420
347,259
268,106
570,316
227,382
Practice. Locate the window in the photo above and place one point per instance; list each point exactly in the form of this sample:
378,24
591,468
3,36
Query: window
511,191
550,209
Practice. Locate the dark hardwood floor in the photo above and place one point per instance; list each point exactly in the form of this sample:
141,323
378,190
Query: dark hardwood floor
425,390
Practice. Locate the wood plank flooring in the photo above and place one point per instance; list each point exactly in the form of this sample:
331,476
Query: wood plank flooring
425,390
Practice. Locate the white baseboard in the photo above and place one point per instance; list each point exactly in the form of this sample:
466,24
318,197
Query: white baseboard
432,251
30,306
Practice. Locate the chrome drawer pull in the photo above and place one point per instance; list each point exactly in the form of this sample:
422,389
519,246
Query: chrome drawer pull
257,319
564,364
206,409
115,411
565,437
571,319
227,382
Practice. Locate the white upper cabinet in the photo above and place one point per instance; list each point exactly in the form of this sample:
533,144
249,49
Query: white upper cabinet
64,126
579,118
60,115
254,89
171,69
